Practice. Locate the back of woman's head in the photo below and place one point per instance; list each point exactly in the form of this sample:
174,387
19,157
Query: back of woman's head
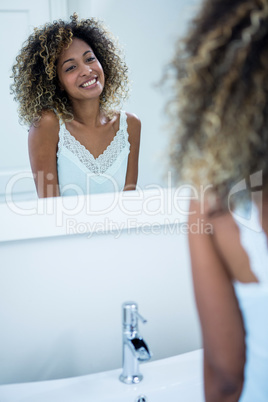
222,96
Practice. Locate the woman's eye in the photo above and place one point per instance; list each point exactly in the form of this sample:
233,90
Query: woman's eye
90,59
70,68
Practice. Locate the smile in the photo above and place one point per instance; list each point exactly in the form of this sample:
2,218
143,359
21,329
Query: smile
89,83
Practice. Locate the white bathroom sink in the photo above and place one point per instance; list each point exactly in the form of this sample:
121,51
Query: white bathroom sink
173,379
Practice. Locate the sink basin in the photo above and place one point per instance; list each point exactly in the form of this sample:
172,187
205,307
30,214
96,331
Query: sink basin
174,379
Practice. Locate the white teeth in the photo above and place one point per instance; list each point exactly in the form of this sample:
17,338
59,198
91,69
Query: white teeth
87,84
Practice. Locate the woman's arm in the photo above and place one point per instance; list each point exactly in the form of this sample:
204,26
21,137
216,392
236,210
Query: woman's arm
134,130
220,317
42,142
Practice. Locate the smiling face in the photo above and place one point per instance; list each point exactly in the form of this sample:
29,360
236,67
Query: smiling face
79,71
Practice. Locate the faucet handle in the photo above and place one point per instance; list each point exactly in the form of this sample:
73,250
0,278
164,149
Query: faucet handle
143,320
131,315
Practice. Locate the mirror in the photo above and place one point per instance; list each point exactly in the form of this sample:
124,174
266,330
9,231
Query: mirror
146,29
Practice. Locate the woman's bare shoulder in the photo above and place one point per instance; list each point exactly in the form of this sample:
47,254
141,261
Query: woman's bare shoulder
133,119
47,127
134,128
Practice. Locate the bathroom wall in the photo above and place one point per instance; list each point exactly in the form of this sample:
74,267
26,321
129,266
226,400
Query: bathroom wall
61,294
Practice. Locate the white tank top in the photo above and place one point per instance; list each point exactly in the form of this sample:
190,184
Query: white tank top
253,302
80,173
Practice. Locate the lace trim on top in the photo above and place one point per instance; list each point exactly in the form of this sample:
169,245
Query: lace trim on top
105,160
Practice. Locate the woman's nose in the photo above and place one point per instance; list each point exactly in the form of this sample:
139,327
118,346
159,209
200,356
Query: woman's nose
85,70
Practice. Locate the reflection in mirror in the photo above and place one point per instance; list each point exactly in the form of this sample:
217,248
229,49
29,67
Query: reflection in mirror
69,80
148,40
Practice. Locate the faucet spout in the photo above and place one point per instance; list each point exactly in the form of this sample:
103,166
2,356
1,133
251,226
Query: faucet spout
141,349
135,349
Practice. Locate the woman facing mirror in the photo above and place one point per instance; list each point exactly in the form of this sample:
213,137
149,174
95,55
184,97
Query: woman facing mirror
70,79
221,145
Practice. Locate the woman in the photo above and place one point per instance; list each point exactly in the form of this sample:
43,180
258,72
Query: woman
69,80
220,145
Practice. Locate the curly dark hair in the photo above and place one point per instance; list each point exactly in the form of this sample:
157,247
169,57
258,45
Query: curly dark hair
36,85
221,96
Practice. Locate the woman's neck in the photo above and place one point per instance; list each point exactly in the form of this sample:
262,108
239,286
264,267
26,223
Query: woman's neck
88,113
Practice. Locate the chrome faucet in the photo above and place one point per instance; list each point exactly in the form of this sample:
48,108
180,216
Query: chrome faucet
134,347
